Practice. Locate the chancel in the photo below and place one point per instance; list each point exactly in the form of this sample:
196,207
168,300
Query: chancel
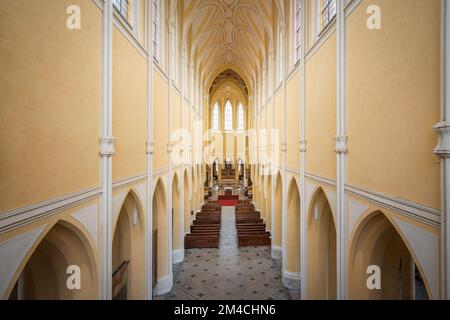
225,149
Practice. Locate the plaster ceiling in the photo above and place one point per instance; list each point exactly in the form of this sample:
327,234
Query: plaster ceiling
228,34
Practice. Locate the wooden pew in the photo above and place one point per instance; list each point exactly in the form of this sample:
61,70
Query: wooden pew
250,240
201,241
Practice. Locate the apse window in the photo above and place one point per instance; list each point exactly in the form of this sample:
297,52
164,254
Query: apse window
328,12
240,117
123,8
216,117
298,28
228,116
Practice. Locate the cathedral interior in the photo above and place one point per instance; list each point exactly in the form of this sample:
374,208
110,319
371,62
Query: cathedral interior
225,150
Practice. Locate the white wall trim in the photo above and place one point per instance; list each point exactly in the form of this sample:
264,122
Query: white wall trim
351,5
406,208
177,256
324,36
324,180
19,217
164,285
277,252
128,181
160,172
291,280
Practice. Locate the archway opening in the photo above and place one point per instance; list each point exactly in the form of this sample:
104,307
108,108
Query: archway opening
381,266
128,262
268,204
278,221
160,234
321,235
293,229
45,275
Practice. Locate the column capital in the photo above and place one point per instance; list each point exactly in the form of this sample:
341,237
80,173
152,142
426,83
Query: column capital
302,145
442,149
340,144
107,146
150,148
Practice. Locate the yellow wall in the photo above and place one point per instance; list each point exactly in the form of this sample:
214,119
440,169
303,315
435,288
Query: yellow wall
278,125
48,89
293,121
393,100
129,108
160,124
320,80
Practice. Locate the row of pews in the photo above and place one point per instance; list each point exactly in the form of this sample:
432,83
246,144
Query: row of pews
205,231
251,229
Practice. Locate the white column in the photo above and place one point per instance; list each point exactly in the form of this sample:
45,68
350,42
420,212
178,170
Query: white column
275,165
302,147
171,73
341,152
107,144
283,144
443,148
150,144
182,168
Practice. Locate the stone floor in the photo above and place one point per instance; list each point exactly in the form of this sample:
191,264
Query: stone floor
228,273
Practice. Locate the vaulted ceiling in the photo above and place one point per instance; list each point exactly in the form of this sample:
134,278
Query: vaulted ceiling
228,35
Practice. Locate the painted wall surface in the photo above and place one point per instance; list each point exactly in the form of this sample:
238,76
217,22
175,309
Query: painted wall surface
293,121
129,108
278,125
161,121
46,153
320,79
393,100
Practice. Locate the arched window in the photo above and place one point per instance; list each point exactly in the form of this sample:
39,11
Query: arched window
216,117
123,8
328,12
240,117
155,20
228,116
298,11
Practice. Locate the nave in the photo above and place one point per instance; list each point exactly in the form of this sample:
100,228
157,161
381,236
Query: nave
229,272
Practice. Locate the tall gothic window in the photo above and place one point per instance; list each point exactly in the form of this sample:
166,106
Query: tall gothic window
123,8
328,12
240,117
155,20
298,28
228,116
216,117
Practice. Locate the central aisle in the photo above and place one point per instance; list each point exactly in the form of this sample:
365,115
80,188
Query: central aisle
228,273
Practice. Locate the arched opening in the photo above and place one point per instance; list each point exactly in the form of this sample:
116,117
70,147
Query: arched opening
321,233
269,203
176,215
160,230
45,277
377,244
278,221
187,214
128,262
293,229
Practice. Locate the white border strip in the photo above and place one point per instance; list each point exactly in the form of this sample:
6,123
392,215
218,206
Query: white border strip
19,217
415,211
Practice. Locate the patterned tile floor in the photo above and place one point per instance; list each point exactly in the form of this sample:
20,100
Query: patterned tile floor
228,273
